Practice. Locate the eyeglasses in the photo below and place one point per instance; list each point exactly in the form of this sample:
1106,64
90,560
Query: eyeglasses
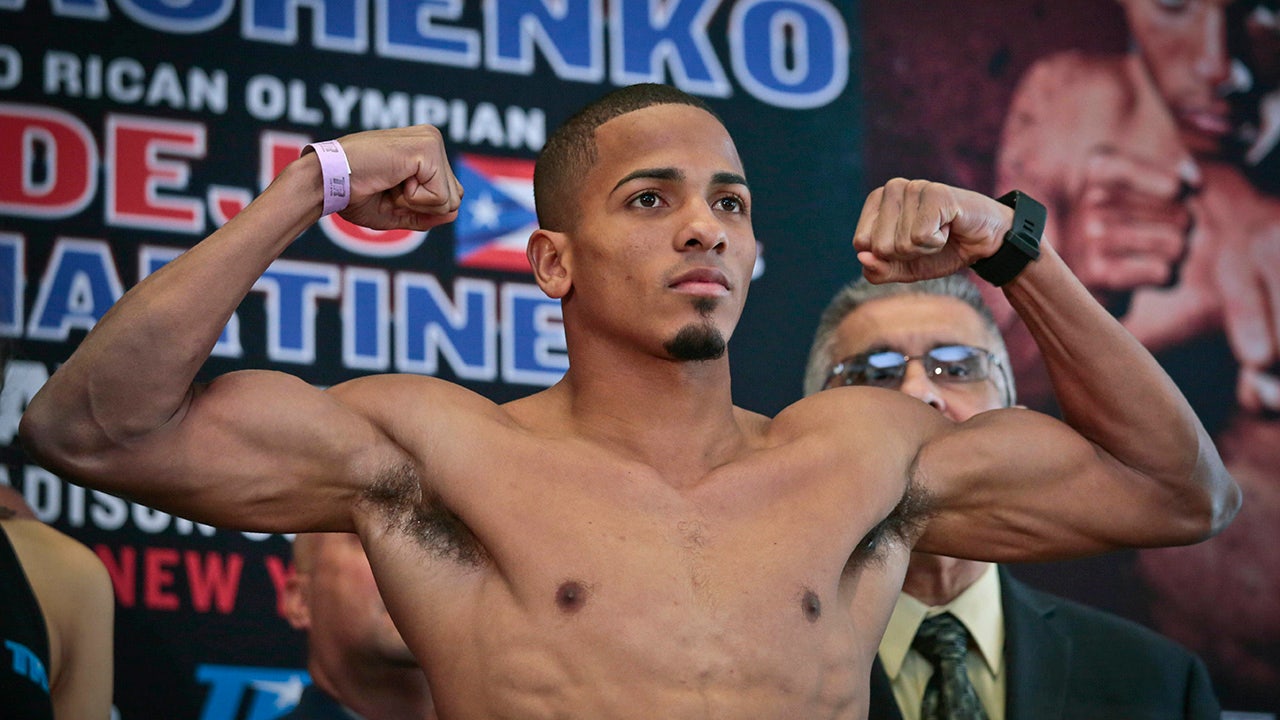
886,368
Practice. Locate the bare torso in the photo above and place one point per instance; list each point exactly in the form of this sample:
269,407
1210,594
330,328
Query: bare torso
626,543
554,578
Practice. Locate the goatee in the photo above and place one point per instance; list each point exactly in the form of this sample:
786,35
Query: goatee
696,342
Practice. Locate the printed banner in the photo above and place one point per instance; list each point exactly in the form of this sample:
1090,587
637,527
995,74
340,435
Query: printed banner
130,129
1088,106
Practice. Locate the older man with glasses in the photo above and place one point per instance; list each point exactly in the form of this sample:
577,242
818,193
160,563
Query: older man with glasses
967,640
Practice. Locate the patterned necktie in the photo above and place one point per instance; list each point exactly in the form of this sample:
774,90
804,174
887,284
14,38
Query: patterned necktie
943,641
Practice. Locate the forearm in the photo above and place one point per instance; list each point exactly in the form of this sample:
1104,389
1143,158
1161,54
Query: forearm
133,372
1114,393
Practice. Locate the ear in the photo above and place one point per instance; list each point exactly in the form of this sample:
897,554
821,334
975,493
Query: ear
295,602
549,256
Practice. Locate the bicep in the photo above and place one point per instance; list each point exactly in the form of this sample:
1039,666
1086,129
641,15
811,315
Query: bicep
258,450
1013,485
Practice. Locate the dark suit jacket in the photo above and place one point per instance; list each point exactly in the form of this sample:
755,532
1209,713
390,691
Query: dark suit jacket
1066,661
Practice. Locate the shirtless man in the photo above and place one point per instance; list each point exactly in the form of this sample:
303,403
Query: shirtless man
627,543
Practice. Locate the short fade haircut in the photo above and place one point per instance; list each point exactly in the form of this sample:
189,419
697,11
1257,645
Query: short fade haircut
571,150
856,294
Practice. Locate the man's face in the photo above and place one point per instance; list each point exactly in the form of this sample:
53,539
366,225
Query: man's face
1184,46
664,246
347,615
913,325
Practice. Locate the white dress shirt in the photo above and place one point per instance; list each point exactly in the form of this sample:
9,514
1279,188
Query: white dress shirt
982,613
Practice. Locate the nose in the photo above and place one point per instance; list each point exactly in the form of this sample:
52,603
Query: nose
1213,62
702,230
917,383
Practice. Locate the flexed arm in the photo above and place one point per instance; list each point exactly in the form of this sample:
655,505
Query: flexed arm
1131,465
123,415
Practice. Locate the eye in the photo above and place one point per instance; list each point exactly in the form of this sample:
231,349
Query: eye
958,362
731,203
876,375
647,199
883,367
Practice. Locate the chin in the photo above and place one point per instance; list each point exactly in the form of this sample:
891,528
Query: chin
697,342
1202,144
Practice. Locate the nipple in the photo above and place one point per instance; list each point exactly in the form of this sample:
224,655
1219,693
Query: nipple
811,605
571,596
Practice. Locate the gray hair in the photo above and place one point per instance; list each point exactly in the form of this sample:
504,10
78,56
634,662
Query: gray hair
856,294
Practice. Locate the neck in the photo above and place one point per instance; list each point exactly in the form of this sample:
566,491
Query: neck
937,579
377,691
675,416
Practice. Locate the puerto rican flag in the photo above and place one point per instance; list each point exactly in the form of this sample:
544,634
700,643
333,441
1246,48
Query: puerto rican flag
497,214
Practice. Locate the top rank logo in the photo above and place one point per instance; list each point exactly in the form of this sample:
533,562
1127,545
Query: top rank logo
250,693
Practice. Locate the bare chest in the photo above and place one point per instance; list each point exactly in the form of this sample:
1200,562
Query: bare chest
549,515
667,616
602,590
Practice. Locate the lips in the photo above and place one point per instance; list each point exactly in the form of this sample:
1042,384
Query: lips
1213,122
701,281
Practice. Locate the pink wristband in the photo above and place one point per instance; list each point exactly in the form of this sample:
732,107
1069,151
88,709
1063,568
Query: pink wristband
336,174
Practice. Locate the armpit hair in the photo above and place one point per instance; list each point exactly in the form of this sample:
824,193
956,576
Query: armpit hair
904,524
423,516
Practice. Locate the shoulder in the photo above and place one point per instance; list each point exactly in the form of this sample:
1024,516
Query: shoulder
1074,72
875,412
59,567
410,408
885,430
1070,98
868,441
399,390
75,595
36,542
54,559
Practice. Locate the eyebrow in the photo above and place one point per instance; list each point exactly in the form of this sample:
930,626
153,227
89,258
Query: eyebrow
651,173
870,350
667,173
729,178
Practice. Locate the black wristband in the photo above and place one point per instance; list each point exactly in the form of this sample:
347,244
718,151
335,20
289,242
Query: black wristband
1021,244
